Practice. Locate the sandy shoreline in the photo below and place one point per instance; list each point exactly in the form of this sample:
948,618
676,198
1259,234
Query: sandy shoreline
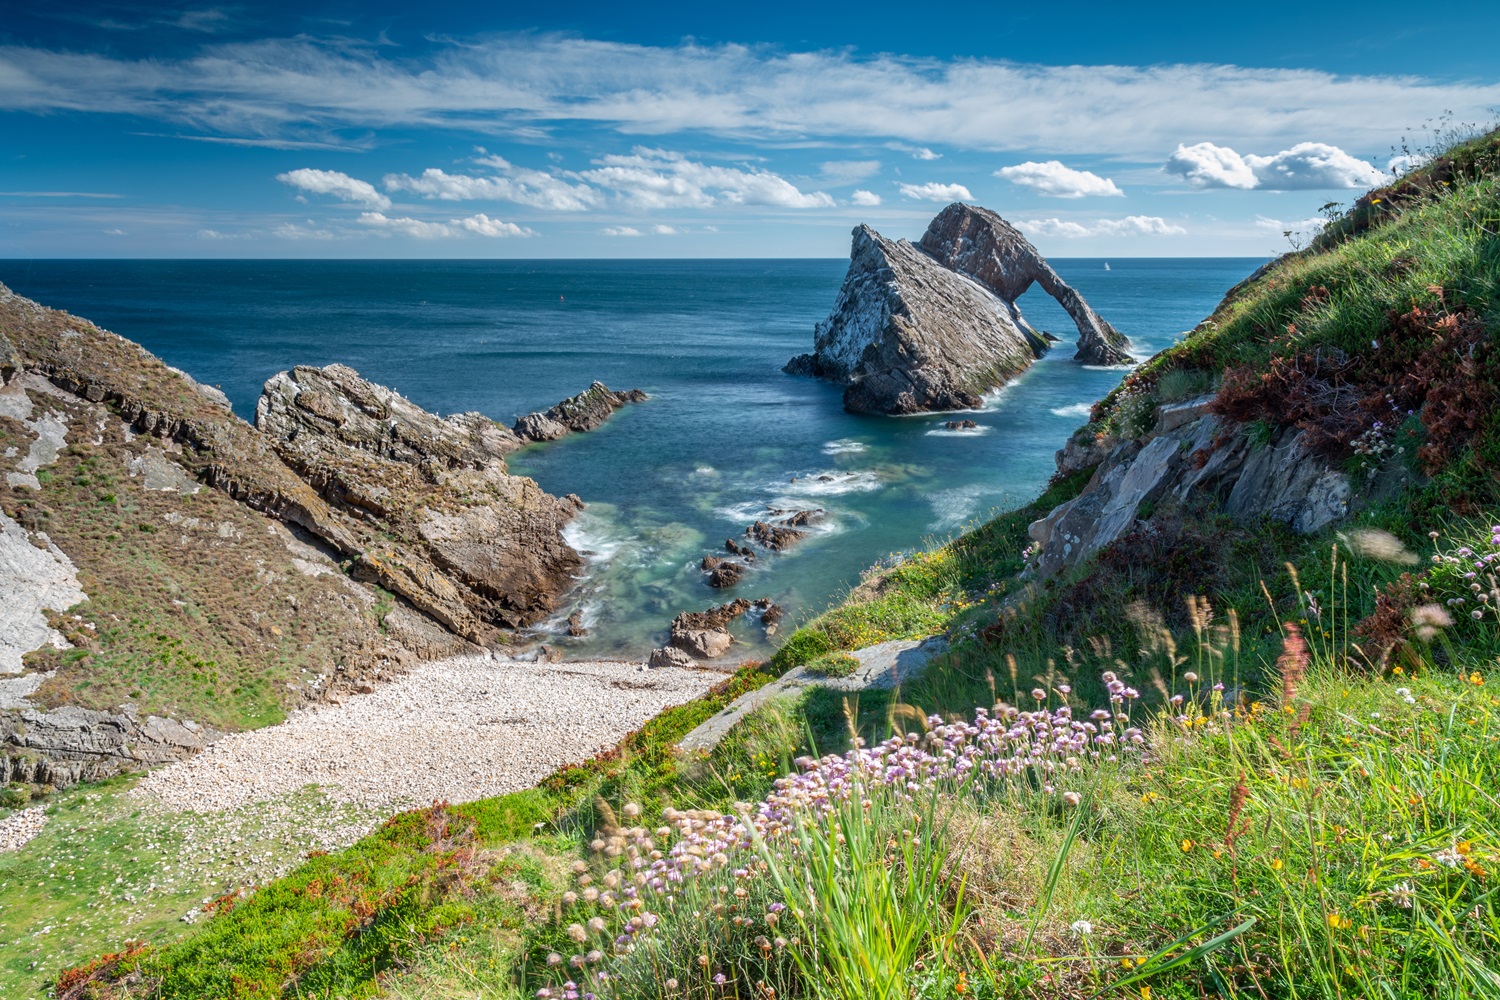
458,729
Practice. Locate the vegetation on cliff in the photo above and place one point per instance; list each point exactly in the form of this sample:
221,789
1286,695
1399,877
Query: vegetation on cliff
1219,759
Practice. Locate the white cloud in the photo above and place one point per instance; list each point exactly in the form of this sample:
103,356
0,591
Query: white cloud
292,231
664,230
1131,225
915,152
535,188
841,172
864,198
1406,162
620,231
306,87
933,191
1305,166
339,185
659,178
480,225
1057,181
1299,232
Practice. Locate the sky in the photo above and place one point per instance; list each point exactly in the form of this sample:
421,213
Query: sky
580,129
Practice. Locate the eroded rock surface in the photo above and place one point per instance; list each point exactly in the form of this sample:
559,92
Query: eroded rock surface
933,326
1189,453
977,242
576,414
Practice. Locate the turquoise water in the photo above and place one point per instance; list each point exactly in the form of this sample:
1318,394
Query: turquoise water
725,433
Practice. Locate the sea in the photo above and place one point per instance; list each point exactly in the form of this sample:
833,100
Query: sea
726,436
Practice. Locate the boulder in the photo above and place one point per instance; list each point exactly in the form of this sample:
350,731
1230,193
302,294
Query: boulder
774,536
670,656
703,643
961,425
722,572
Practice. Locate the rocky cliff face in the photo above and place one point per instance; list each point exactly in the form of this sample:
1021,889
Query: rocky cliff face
1189,453
161,559
978,243
933,326
907,334
439,519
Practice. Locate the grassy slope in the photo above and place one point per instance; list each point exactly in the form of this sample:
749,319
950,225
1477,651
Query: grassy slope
1349,790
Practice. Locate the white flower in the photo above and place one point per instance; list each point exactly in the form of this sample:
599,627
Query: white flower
1402,895
1082,927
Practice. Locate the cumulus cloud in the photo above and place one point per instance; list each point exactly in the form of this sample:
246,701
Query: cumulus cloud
339,185
1057,181
535,188
864,198
659,178
1299,231
933,191
915,152
620,231
1131,225
479,225
664,230
1305,166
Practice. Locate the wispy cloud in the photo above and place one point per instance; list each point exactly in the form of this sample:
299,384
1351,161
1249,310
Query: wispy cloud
840,172
1307,165
478,225
659,178
58,194
1131,225
535,188
336,184
526,84
864,198
933,191
620,231
1055,180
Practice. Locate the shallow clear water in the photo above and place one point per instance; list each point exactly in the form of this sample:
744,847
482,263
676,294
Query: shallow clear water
725,434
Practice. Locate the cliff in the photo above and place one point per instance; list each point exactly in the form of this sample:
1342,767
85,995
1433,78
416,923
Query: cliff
932,326
168,571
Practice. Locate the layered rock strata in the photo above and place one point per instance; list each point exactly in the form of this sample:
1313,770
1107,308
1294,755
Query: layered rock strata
576,414
978,243
933,326
1190,452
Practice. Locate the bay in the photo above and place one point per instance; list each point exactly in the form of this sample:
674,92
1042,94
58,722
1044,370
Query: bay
726,435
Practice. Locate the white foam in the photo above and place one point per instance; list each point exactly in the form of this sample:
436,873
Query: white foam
594,538
843,446
959,431
1073,410
954,507
705,470
821,484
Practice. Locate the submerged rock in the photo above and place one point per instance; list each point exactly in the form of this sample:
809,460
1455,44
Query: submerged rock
961,425
722,572
932,326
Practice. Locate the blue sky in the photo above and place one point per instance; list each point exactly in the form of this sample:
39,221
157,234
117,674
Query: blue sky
374,129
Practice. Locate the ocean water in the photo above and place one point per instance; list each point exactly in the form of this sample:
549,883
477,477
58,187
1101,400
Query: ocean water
726,435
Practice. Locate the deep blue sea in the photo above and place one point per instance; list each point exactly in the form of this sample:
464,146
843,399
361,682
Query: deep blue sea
725,433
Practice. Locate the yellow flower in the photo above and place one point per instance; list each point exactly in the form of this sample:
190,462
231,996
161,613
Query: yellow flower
1187,845
1145,993
1397,670
1336,921
1276,864
1463,847
1476,678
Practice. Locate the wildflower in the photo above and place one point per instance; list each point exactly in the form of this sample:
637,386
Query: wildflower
1187,845
671,984
720,979
577,934
597,925
1338,922
1276,864
1072,798
553,958
1145,993
1476,678
1190,677
1082,927
1039,694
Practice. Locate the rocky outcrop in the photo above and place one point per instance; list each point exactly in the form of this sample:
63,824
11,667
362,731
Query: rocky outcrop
1189,453
472,546
933,326
69,744
576,414
907,334
978,243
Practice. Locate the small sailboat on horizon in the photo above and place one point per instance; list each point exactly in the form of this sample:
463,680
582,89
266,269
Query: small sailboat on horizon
1106,265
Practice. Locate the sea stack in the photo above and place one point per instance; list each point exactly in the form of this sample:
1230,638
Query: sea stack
932,326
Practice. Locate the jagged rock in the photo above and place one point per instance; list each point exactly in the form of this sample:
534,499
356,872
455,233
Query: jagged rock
979,243
770,614
576,627
476,548
961,425
715,617
1190,452
803,518
774,536
576,414
745,552
723,572
907,334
